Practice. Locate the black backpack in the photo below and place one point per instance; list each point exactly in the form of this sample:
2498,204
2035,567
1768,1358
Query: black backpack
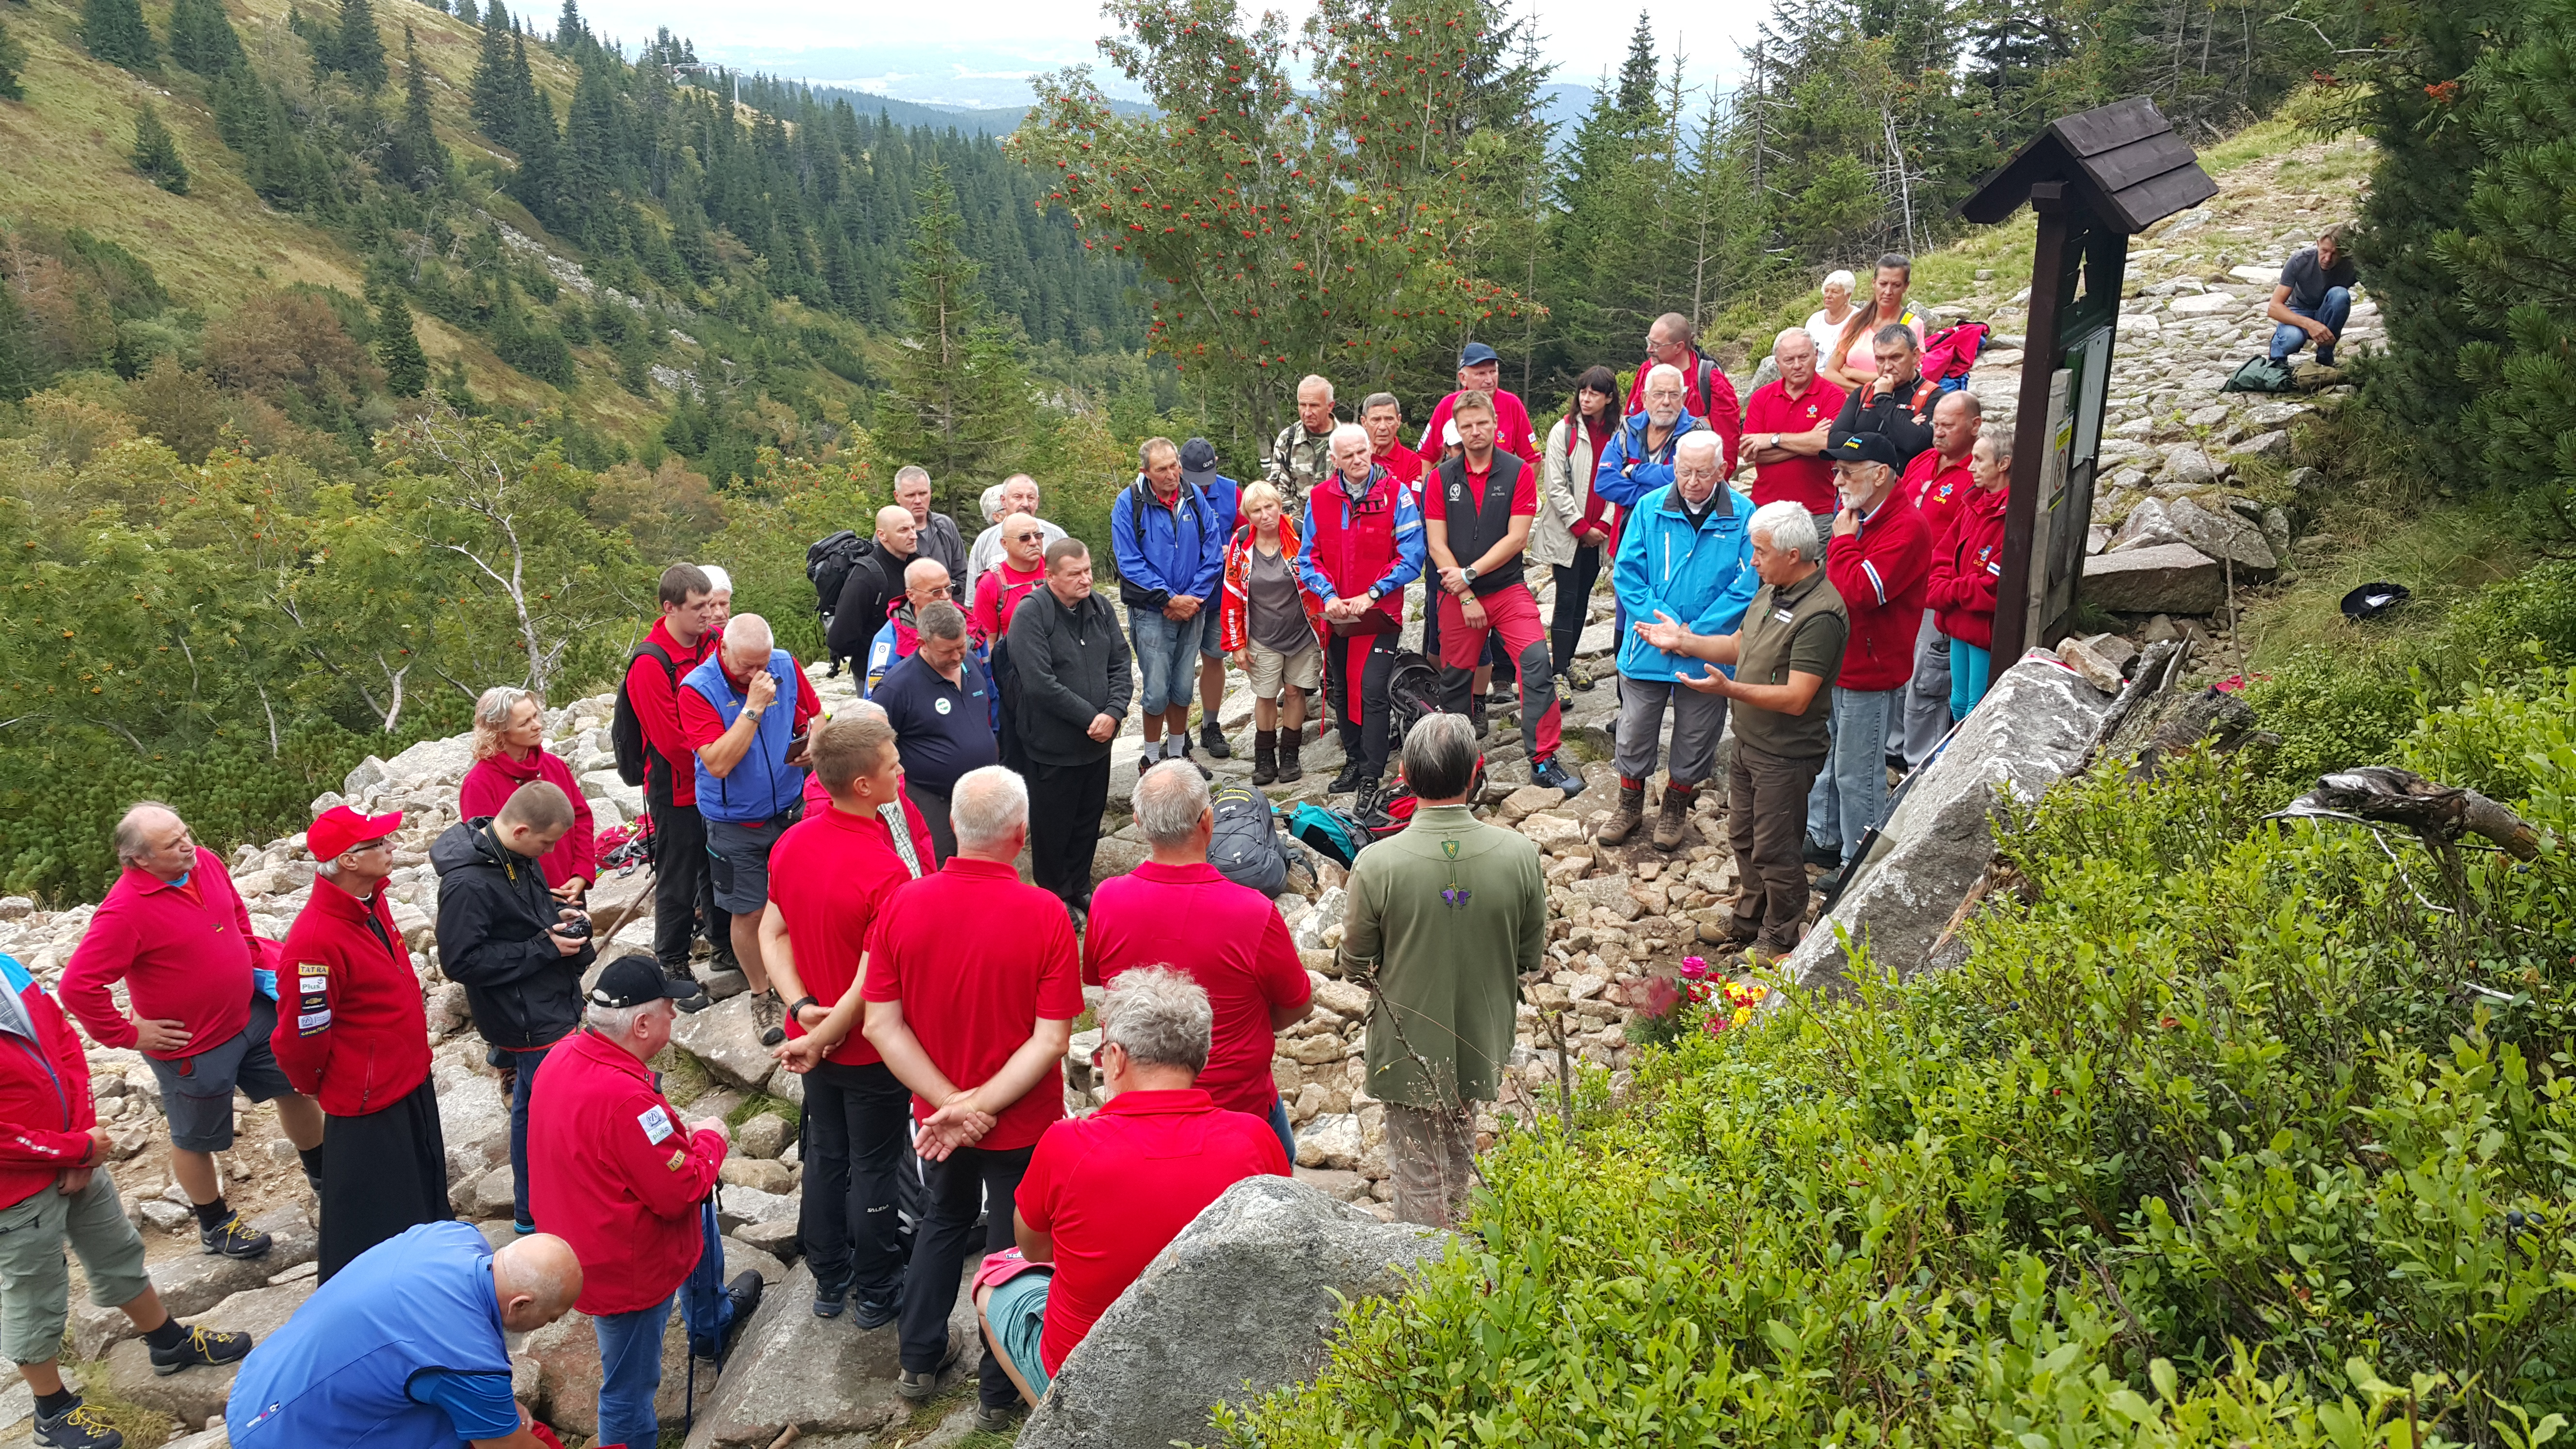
1246,847
1412,691
828,564
625,727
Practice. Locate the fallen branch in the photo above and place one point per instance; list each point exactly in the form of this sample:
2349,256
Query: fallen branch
2385,794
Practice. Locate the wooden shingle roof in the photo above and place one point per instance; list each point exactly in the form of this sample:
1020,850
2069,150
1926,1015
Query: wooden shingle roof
2123,161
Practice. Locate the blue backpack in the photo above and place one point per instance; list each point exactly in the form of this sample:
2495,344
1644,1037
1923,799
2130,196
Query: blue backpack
1334,832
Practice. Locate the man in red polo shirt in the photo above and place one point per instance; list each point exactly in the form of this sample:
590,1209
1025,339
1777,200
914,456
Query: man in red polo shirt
683,891
1176,910
1708,394
1938,482
1785,426
829,877
972,987
1480,371
204,1004
1107,1191
358,1042
1383,417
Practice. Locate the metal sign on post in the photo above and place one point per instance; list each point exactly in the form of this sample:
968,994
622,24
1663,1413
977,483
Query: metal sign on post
2095,179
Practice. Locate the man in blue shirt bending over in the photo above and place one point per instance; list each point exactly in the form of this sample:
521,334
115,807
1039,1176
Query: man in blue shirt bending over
403,1348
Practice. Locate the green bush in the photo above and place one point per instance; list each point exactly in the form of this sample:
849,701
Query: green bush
2203,1145
2332,713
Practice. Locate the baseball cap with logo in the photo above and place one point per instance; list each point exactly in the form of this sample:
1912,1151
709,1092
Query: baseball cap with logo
1198,462
636,979
340,830
1864,448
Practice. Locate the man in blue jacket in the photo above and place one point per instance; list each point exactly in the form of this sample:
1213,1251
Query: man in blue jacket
1170,552
1639,459
403,1348
1684,556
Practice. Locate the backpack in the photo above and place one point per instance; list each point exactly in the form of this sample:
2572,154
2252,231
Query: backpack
1412,691
1333,832
625,727
1245,847
2259,374
1390,811
1950,352
828,563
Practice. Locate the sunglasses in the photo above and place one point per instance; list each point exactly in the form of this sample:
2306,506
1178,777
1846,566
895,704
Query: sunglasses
1026,537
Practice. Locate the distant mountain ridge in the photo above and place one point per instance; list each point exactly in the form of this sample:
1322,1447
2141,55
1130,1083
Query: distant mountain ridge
1563,105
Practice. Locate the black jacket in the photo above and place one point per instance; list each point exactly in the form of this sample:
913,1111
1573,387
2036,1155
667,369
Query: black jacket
493,915
875,582
1894,414
1071,666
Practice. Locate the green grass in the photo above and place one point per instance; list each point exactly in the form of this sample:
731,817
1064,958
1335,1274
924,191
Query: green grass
143,1428
760,1102
2444,554
684,1078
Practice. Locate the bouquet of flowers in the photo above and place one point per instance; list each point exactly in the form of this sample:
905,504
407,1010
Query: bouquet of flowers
1699,997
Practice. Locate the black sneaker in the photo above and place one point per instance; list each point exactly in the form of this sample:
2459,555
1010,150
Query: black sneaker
744,1294
233,1238
1556,777
990,1419
77,1427
203,1348
830,1298
1214,739
1813,854
872,1314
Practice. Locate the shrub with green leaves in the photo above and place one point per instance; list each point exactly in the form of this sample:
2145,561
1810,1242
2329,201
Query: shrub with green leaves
2229,1133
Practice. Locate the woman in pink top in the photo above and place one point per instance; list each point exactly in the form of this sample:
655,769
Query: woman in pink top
1849,363
509,751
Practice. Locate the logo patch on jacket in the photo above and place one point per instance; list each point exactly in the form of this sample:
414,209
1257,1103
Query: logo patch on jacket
679,1159
656,1123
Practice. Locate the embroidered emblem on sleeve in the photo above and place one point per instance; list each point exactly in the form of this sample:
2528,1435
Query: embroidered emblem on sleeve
656,1122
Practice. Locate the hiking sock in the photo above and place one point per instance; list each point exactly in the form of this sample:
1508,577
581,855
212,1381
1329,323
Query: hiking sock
311,1157
169,1335
211,1215
51,1406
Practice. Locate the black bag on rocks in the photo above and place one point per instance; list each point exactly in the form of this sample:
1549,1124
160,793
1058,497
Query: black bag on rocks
1412,691
1246,847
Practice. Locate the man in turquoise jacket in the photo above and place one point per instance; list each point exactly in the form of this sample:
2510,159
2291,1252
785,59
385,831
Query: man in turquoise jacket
1684,556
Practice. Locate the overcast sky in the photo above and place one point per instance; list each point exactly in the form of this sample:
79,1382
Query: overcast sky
923,52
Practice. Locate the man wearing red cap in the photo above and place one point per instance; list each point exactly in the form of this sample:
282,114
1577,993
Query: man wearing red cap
358,1041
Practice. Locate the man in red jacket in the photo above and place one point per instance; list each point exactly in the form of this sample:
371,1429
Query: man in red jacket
358,1042
1878,560
1707,393
204,1004
1382,414
616,1175
1938,481
683,890
1967,567
52,1194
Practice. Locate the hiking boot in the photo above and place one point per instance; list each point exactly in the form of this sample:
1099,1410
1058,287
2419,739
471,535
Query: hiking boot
743,1294
1576,676
203,1348
1476,717
76,1427
1367,796
995,1419
920,1384
1673,820
1289,769
1556,777
873,1314
1214,739
830,1298
233,1238
1347,780
1265,756
1813,854
1733,933
770,1014
1623,822
834,672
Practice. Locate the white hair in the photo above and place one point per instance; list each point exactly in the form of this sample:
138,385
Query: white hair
1789,335
1159,1016
614,1022
1698,441
1662,370
749,631
987,805
1169,800
991,503
1839,278
1346,432
1789,526
1319,378
718,581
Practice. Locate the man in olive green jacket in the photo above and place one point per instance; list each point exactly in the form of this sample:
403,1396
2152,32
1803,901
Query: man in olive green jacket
1442,921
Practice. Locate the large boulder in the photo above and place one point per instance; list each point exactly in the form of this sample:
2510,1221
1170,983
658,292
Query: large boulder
2164,578
823,1376
726,1036
1241,1303
2031,729
192,1396
2218,533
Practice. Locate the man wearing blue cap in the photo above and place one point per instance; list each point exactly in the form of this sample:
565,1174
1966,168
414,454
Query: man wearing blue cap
1480,371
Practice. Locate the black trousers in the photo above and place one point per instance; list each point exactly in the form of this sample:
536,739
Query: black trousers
1573,601
1065,802
682,888
1366,741
965,1180
857,1122
383,1174
934,813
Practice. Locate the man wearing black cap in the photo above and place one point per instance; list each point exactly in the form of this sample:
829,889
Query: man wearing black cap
1880,561
615,1174
1198,470
1480,371
1897,405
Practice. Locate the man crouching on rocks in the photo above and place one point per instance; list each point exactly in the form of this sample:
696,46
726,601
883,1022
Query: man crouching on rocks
50,1149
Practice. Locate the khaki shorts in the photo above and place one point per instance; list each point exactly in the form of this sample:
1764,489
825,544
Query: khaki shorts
1269,669
35,1282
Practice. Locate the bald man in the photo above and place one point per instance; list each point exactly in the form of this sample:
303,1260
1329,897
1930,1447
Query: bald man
925,582
744,711
403,1348
875,582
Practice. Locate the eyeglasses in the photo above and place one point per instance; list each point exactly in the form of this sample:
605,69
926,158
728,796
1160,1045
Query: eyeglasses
1029,537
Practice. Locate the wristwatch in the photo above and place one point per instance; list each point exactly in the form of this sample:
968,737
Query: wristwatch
1775,442
1468,573
799,1004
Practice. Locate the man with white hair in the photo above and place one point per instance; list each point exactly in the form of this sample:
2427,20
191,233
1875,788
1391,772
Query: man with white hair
744,711
971,990
1177,910
1786,424
875,582
1789,645
1880,562
1684,552
618,1176
925,582
1639,459
1302,455
1361,545
937,532
1107,1191
1017,494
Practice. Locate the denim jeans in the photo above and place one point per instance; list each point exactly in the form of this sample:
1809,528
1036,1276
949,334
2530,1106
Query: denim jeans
526,1064
1851,790
1167,658
856,1122
2334,311
1287,1134
630,1345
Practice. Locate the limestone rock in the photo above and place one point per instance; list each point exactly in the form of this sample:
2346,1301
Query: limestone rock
821,1375
775,1236
366,775
2273,444
726,1037
191,1285
1526,801
1552,832
2101,659
2188,465
2165,578
495,1194
762,1174
763,1136
1330,1141
1239,1304
737,1207
2029,730
1326,914
192,1396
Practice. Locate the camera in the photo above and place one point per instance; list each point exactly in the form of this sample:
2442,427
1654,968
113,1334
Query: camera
573,930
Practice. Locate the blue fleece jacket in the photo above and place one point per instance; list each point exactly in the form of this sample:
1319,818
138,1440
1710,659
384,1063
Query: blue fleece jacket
1629,470
1703,577
1166,550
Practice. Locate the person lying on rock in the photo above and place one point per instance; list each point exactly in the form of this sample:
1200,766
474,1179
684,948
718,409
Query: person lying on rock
1106,1191
405,1349
50,1149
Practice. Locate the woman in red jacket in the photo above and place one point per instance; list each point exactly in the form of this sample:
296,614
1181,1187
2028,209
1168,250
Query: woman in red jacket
1281,652
1966,567
509,751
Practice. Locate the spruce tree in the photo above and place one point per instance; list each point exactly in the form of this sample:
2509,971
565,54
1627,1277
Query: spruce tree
13,59
570,32
398,348
202,37
538,183
156,153
493,103
958,396
466,12
360,53
418,159
114,32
